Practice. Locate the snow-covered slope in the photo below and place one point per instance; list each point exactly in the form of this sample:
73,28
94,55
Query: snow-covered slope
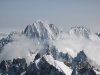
59,65
80,31
41,30
66,49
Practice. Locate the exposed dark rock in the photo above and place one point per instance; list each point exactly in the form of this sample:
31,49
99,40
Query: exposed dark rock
81,66
37,56
42,68
13,68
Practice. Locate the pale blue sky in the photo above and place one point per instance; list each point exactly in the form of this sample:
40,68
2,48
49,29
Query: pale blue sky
17,14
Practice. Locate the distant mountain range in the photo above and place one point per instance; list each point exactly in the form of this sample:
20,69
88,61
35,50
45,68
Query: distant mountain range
62,53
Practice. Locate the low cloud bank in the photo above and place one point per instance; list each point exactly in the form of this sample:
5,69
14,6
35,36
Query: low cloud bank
66,43
21,49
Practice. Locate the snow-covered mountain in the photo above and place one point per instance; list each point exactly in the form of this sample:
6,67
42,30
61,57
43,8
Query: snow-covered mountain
45,65
41,30
49,51
80,31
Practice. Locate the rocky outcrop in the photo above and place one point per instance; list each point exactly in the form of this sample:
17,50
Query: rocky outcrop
42,67
81,66
13,68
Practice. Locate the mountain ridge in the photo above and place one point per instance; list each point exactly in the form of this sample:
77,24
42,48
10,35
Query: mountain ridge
54,42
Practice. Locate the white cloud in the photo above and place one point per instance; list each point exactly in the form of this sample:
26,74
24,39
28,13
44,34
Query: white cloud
21,49
66,43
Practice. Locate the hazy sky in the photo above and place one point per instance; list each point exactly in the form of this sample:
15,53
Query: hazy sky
17,14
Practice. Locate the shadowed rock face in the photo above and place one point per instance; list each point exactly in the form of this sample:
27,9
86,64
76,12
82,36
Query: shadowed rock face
81,65
99,35
81,58
83,71
40,66
13,68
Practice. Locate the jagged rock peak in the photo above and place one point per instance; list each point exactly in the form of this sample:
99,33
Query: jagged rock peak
81,54
80,31
41,30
